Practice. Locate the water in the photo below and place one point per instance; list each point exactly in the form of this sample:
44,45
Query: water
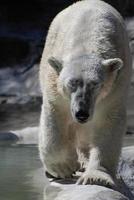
129,140
18,165
20,174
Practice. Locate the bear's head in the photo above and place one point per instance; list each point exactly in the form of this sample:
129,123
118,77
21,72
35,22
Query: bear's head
85,81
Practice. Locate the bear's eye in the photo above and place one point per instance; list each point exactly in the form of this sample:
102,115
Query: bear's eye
74,84
93,84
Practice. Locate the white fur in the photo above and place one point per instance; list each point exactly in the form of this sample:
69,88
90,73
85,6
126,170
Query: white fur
87,27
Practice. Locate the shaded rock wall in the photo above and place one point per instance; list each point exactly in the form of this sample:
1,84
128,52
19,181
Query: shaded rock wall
125,7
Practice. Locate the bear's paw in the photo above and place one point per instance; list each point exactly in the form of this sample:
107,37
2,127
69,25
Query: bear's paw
96,177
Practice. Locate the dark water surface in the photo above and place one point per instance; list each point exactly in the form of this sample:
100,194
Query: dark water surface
20,175
17,166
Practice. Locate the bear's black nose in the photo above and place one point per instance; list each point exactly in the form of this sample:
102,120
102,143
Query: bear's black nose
81,116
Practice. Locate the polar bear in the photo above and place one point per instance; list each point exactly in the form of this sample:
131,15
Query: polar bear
84,75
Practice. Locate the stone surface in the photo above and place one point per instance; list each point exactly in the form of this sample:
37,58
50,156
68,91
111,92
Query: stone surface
68,190
126,170
125,7
24,136
27,136
19,116
87,192
8,136
130,105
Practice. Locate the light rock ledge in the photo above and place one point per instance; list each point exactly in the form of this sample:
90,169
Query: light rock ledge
81,192
64,191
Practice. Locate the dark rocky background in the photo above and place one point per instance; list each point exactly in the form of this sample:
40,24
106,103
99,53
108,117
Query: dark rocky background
23,28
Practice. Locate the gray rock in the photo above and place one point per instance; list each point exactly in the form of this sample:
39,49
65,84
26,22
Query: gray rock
27,135
80,192
130,105
19,116
18,87
61,190
125,7
126,171
8,136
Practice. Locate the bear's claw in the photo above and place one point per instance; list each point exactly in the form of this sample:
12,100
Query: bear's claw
96,177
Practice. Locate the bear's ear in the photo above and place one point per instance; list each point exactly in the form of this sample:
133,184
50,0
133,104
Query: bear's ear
113,64
55,63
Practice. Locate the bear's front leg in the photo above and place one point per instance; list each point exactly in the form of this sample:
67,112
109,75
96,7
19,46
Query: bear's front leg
56,147
95,173
105,149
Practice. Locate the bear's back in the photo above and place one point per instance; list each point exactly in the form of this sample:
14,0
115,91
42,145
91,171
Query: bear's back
86,19
86,7
65,36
